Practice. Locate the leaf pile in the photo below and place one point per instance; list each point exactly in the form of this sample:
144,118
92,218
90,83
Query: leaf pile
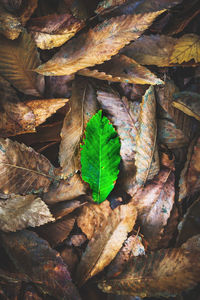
99,149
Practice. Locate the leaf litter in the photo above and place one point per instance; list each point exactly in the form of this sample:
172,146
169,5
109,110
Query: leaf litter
138,63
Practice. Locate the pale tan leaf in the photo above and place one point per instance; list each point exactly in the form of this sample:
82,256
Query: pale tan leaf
96,43
189,182
92,216
170,135
122,69
124,115
161,273
67,189
151,50
106,242
55,233
44,108
186,48
189,103
10,25
54,30
22,169
82,107
18,212
17,60
146,158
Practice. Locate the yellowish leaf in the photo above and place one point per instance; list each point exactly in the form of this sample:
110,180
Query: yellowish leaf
94,47
18,212
10,25
186,48
17,60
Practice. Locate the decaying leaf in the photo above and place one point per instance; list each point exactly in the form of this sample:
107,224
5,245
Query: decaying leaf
55,233
190,176
26,10
154,205
10,25
106,242
82,107
18,212
187,48
170,135
164,96
67,189
151,50
64,208
105,4
124,116
96,44
22,169
18,58
44,266
189,225
161,273
122,69
92,216
53,30
189,103
146,158
132,247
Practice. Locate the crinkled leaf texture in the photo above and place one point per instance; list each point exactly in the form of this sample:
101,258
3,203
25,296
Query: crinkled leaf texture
100,156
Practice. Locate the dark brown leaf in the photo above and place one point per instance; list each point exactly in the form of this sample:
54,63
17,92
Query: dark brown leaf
44,266
10,25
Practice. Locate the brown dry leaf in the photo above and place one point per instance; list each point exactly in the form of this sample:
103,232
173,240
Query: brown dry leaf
186,48
92,216
26,10
190,176
43,265
165,95
189,103
106,242
151,50
154,204
54,30
124,116
132,247
70,257
82,107
10,25
189,225
78,239
11,5
170,135
108,4
17,60
117,31
161,273
19,212
64,208
44,108
23,170
67,189
122,69
55,233
146,158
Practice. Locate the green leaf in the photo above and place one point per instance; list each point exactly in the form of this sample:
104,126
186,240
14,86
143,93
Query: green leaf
100,156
